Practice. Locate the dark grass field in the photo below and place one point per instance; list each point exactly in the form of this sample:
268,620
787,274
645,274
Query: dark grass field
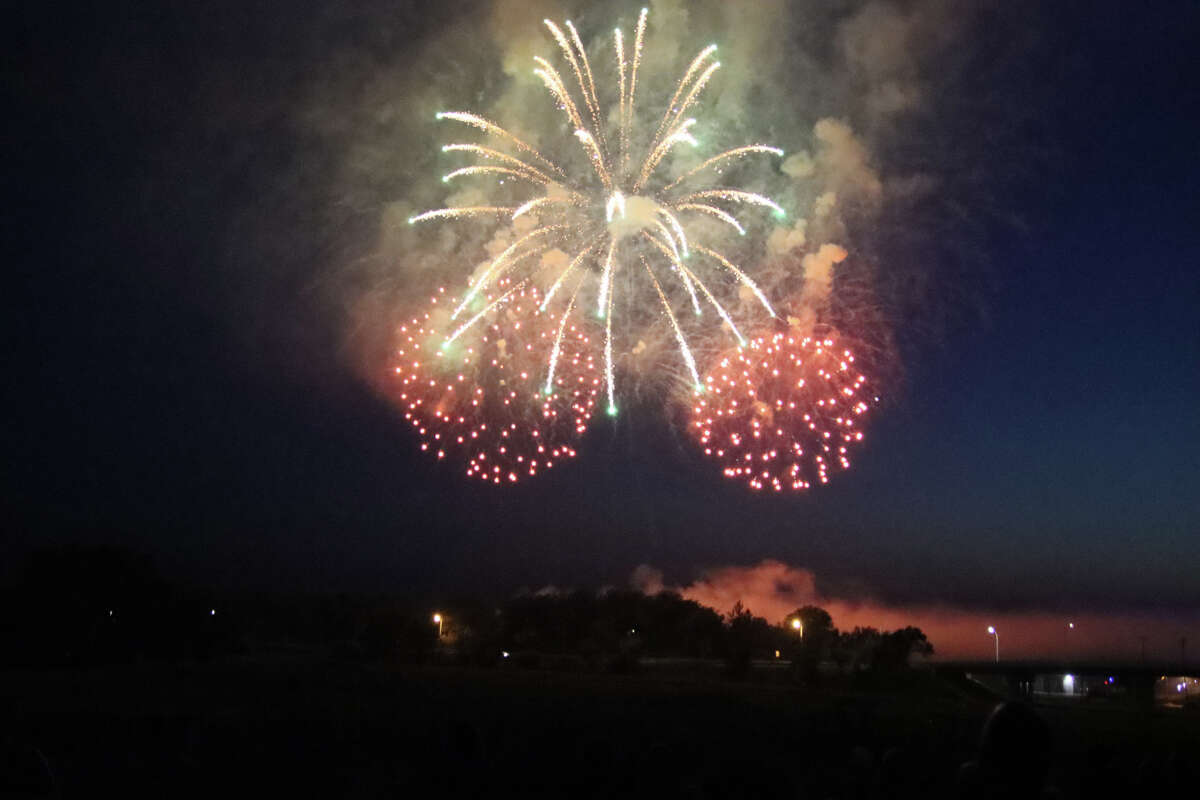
306,726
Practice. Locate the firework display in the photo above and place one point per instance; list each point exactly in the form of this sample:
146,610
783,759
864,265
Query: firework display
782,412
485,401
597,248
616,214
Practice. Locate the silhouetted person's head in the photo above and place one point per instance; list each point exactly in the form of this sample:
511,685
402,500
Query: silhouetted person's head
1015,737
1014,754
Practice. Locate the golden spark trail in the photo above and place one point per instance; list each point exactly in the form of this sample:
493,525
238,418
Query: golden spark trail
683,245
637,60
487,126
467,325
554,83
596,156
683,347
745,279
683,82
489,170
569,52
500,259
465,211
737,196
619,45
487,152
736,152
606,279
536,202
574,263
713,211
673,256
562,326
666,232
695,92
680,134
608,362
716,304
590,92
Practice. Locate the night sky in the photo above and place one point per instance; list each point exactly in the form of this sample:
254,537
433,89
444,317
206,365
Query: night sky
180,385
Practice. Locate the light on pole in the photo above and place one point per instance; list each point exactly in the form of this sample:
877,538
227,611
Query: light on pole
995,634
797,625
438,619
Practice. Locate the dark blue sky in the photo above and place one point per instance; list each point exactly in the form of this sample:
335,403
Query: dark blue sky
1044,450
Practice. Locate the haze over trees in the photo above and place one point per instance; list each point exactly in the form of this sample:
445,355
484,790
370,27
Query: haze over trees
95,605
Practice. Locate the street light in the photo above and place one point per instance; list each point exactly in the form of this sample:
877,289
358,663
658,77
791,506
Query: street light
995,634
797,625
438,619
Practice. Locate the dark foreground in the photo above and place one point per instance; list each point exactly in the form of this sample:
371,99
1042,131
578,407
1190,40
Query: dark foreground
301,726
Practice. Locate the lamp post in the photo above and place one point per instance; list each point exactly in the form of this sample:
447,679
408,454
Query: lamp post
995,634
438,619
797,625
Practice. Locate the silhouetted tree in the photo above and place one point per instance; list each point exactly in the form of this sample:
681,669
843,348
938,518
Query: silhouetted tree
896,649
611,626
816,638
818,625
857,648
747,636
869,650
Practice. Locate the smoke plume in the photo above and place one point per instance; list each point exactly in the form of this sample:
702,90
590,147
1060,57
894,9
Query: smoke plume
772,589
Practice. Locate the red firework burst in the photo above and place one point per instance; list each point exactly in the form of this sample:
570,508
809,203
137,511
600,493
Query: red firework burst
781,412
486,399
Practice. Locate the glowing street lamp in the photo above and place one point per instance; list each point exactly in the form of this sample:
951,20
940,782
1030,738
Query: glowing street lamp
995,634
797,625
438,619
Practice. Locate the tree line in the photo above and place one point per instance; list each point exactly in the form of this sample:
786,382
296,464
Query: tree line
72,606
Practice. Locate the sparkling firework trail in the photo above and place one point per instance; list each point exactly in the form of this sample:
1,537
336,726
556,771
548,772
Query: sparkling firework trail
613,213
782,412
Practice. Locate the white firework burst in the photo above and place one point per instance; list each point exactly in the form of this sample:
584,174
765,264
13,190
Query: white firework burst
618,215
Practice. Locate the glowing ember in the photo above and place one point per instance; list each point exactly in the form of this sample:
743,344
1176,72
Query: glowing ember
783,412
486,400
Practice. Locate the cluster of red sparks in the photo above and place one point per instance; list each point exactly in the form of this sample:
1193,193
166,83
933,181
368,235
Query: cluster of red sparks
781,412
486,402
